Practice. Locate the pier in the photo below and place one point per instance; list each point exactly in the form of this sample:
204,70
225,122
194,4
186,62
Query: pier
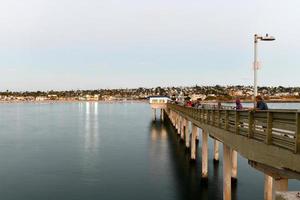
269,140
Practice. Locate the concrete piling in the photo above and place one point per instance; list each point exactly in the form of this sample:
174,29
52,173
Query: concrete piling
153,114
184,127
234,165
273,185
204,154
193,142
187,134
216,150
226,172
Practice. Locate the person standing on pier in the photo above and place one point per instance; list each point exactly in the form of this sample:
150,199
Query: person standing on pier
238,104
197,104
260,103
219,105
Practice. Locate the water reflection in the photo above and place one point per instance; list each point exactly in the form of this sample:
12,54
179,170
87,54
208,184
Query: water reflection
91,133
95,108
158,132
186,174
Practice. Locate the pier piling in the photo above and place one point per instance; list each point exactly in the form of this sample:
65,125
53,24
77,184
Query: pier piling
193,142
184,127
153,114
273,185
187,134
234,165
226,172
204,154
216,150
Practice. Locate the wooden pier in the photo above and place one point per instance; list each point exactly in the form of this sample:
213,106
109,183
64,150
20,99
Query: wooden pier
270,140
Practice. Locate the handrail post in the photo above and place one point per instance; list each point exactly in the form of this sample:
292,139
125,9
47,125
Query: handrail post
198,117
250,124
219,118
297,133
237,122
201,115
269,127
213,118
226,120
208,117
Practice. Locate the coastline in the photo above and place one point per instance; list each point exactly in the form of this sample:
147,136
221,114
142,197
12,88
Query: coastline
73,101
137,101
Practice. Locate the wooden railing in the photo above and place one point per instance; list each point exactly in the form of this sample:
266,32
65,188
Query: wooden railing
280,128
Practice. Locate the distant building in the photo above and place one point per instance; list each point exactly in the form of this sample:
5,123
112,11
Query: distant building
159,99
92,97
41,98
158,102
194,97
53,97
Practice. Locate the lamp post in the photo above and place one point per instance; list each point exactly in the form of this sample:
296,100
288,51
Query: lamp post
255,64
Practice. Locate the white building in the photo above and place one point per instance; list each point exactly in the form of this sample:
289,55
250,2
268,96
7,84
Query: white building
194,97
159,99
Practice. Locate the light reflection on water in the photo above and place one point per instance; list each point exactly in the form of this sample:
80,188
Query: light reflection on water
91,126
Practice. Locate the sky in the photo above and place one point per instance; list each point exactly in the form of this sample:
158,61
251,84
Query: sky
92,44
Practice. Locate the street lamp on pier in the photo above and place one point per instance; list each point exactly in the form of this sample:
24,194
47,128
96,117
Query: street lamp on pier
255,63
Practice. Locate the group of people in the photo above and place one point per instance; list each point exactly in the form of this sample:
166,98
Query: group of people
260,104
194,104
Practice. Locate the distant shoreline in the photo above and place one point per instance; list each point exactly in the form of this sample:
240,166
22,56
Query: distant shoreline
139,101
75,101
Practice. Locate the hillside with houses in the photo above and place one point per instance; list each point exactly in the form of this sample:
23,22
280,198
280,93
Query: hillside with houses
208,93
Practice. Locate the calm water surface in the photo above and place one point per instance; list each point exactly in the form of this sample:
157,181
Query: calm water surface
105,151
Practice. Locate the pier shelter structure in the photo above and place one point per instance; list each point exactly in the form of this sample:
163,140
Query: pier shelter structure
158,103
270,140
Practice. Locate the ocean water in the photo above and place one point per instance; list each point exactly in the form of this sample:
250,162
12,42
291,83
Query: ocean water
93,150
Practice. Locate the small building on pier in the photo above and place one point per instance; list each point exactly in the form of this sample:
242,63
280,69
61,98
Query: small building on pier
158,102
159,99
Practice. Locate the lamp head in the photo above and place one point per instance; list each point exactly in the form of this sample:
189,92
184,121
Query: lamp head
267,38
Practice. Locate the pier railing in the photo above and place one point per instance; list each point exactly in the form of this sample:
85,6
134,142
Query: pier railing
280,128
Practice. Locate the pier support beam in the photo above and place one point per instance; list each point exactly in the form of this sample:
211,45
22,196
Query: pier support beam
226,172
204,154
193,142
273,185
216,150
153,114
162,114
268,190
187,134
198,136
171,116
234,167
180,123
176,121
281,185
184,127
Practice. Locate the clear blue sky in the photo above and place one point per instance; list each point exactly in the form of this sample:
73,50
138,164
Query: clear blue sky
89,44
